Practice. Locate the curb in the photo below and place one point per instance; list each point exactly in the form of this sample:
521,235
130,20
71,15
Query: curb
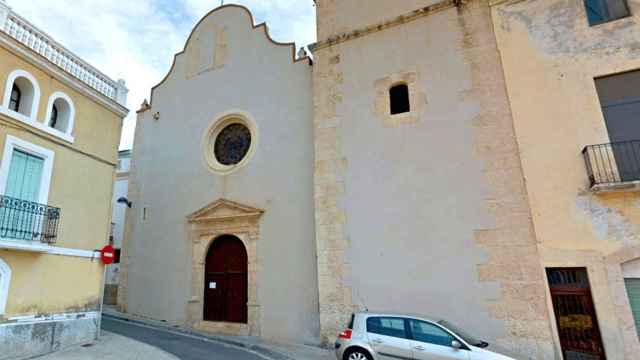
256,348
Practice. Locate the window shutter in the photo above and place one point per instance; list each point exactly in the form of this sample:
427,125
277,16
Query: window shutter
633,289
25,176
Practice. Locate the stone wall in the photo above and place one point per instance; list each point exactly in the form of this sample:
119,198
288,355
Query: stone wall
29,339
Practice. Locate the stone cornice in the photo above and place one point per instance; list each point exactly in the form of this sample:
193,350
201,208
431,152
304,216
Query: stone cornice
399,20
224,210
39,42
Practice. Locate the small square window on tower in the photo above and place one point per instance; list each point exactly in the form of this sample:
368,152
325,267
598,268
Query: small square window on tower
399,99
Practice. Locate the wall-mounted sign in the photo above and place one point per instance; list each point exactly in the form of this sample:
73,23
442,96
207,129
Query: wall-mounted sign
213,285
108,255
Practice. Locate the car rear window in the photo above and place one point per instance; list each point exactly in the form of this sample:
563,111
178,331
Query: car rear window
387,326
353,317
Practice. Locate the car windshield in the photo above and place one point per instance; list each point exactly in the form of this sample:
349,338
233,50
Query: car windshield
466,337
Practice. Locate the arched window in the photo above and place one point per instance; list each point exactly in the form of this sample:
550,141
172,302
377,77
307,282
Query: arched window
5,279
14,101
61,113
22,94
399,98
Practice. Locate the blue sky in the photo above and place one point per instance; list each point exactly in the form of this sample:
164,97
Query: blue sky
136,39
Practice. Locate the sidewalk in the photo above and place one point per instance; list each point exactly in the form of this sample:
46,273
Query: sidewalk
111,347
272,350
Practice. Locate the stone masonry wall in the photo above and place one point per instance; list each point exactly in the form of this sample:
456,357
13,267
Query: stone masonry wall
513,260
331,239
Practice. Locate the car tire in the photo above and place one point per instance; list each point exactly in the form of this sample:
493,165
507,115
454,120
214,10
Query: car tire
357,354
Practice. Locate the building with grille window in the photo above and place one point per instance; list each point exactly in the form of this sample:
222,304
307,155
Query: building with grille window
60,124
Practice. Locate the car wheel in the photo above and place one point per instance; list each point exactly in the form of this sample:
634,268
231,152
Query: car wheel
357,354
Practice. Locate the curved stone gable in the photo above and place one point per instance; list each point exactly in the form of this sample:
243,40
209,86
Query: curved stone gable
210,34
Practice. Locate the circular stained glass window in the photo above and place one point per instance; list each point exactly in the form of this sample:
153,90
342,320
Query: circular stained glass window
232,144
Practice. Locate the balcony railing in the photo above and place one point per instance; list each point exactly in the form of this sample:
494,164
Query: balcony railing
26,220
41,43
613,164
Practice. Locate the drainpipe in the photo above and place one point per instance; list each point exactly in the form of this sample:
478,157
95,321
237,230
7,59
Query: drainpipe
103,282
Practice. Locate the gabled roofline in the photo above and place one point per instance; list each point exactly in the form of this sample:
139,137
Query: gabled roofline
262,26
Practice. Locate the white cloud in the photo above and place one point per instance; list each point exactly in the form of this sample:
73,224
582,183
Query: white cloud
136,40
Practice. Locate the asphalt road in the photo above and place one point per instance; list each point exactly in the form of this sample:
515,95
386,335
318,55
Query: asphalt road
182,346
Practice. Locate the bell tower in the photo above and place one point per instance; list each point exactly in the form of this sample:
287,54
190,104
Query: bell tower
420,203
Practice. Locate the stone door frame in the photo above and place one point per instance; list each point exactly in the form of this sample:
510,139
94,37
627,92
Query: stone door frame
224,217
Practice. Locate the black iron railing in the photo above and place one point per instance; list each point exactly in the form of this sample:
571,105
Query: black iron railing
26,220
613,163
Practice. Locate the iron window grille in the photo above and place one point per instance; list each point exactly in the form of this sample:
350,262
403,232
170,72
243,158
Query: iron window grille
29,221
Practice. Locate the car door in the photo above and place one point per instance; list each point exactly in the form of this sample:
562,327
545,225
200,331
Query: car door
388,337
431,342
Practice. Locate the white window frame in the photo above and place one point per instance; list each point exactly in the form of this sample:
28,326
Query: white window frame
5,280
36,95
33,119
12,143
72,113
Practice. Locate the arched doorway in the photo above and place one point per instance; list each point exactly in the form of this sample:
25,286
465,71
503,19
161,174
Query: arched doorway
225,281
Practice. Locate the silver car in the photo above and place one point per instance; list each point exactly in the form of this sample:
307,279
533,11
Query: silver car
377,336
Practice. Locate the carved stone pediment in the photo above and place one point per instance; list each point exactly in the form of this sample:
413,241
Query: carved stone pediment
224,217
224,210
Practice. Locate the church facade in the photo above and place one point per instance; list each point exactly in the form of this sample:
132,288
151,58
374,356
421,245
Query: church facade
274,194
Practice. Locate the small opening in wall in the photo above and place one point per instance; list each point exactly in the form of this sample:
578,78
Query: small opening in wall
399,97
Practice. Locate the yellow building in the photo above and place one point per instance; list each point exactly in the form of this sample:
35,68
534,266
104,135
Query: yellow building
571,69
60,124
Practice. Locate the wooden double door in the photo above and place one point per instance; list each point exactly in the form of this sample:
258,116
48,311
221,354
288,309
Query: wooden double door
575,314
225,281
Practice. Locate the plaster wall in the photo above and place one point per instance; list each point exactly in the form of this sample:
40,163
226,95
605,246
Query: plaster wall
170,180
57,297
423,212
120,189
96,129
51,284
551,57
81,187
337,16
83,172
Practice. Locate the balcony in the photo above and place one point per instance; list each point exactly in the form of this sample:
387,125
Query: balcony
27,221
44,45
614,166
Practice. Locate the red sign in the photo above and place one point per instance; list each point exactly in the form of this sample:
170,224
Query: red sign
108,255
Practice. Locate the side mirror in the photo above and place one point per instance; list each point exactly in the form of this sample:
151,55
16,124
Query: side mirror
456,345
